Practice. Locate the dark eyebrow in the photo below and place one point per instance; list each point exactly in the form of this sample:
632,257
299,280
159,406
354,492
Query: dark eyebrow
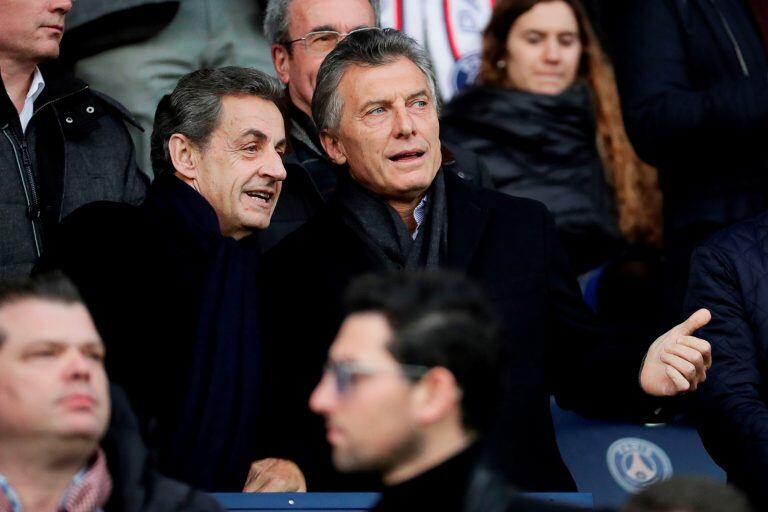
422,92
324,28
371,103
543,32
331,28
260,136
47,342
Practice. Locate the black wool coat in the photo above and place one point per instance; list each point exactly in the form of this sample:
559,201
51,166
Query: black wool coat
552,344
174,302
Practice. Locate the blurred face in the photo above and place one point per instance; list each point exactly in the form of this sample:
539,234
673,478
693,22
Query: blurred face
389,131
240,171
544,49
298,69
52,379
371,424
31,30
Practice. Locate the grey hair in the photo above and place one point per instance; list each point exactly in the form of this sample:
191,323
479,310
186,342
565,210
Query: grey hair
194,107
276,22
369,48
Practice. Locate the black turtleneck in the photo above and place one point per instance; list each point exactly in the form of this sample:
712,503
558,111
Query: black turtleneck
442,488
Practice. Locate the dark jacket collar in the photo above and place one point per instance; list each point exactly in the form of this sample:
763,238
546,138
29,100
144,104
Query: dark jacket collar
59,84
467,217
304,130
171,199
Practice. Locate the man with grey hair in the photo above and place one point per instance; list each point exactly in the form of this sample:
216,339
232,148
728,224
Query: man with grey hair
302,33
375,106
191,360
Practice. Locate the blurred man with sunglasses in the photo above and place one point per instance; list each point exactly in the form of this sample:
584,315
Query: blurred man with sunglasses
411,383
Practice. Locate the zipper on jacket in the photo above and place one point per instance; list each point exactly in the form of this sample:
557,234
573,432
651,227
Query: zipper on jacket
732,37
24,166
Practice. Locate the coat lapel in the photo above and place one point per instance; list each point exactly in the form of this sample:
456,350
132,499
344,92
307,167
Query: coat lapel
467,217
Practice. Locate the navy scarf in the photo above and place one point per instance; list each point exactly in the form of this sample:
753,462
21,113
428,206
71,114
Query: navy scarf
216,438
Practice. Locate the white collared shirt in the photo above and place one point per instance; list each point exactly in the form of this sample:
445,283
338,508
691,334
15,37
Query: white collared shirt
37,86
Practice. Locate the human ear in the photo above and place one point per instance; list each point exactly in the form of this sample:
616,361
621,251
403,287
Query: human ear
282,62
437,395
333,147
183,156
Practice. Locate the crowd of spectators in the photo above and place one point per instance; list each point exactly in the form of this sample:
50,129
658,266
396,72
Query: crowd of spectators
328,280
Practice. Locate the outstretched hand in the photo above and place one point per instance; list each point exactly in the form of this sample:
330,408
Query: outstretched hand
677,361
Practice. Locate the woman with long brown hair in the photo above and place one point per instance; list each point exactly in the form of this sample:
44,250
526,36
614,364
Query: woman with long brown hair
546,119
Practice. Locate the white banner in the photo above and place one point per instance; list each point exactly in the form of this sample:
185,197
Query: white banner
450,29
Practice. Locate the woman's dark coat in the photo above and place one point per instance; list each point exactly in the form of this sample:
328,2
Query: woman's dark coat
542,147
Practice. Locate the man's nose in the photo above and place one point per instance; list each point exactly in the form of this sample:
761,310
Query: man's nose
62,6
78,366
324,395
274,168
403,122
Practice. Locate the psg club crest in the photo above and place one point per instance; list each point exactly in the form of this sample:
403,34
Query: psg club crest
636,463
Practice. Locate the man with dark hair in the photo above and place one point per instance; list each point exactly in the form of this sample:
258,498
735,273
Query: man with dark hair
62,145
55,409
411,384
172,284
302,33
374,104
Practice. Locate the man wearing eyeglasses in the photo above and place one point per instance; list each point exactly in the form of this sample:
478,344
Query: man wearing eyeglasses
411,384
302,32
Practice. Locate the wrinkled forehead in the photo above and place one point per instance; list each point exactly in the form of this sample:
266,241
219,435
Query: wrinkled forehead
396,78
244,115
340,15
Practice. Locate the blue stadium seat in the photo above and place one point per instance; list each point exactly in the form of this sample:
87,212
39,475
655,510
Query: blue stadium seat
611,460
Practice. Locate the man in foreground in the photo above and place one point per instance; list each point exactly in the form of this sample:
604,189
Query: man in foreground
375,106
172,284
55,409
411,385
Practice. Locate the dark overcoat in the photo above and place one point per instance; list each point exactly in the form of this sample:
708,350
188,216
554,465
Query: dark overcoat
551,342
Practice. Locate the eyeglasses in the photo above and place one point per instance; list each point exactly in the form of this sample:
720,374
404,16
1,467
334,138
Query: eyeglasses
346,372
323,41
